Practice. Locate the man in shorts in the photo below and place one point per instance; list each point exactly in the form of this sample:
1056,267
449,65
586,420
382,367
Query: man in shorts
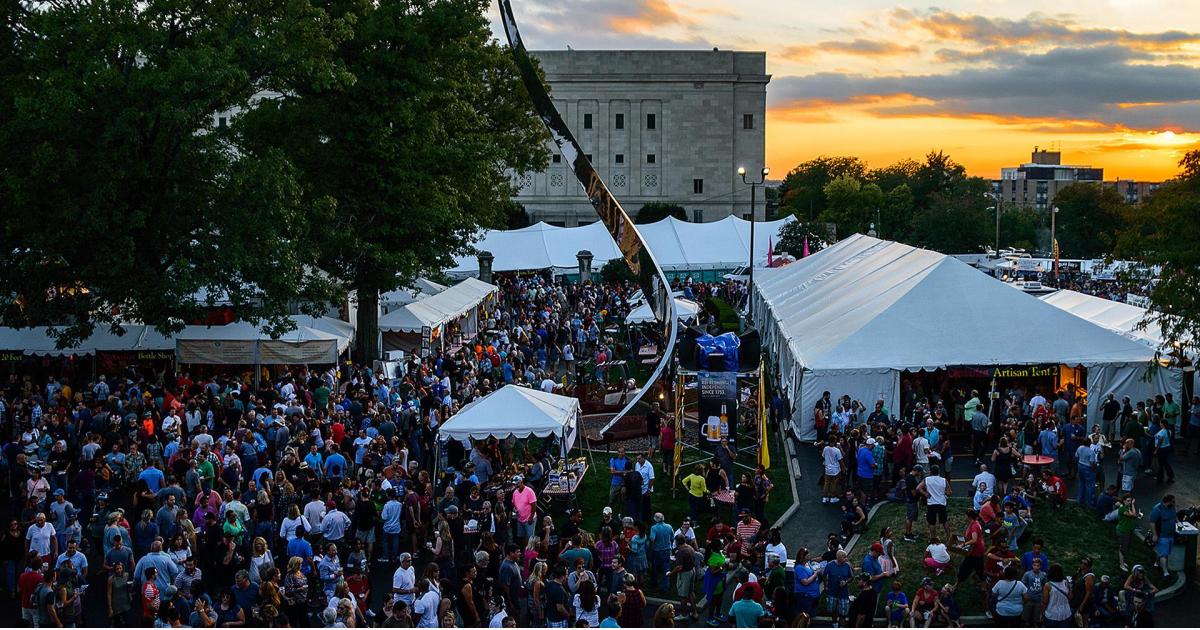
1131,461
912,500
936,489
685,576
838,575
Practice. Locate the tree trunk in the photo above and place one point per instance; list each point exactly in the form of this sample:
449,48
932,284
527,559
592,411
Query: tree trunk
367,334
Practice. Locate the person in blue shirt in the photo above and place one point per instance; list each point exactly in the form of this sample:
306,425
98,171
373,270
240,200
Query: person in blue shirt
1049,443
301,548
837,587
314,459
153,477
662,536
746,612
335,465
874,568
1036,552
806,587
392,512
896,605
1163,519
616,469
866,466
1162,451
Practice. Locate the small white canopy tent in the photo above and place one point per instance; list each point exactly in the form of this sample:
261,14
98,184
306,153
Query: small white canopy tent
852,317
678,245
436,310
420,289
314,340
518,412
684,309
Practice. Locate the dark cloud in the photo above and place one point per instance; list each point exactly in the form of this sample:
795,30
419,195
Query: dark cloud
1064,83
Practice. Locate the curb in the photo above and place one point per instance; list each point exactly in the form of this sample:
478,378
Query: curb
793,475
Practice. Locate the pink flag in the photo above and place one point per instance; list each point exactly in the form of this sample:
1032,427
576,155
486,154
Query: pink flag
804,254
770,253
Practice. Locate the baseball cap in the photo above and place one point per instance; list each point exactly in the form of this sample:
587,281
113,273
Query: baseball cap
607,510
60,492
877,547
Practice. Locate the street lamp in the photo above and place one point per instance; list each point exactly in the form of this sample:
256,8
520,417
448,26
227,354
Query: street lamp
753,184
997,198
1054,243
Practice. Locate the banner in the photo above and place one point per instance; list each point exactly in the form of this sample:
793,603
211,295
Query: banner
718,408
677,456
1004,371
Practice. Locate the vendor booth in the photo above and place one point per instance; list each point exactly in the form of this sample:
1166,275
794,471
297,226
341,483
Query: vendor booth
522,413
858,316
31,350
318,340
685,310
432,319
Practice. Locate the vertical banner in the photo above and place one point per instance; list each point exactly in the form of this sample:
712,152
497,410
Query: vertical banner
718,408
678,454
764,448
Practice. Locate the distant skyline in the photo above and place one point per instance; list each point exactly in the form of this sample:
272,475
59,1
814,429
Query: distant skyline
1111,83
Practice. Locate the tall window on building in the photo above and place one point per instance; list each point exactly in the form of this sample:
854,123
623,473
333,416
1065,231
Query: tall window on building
619,158
651,122
587,121
650,157
619,121
747,121
556,158
698,186
697,216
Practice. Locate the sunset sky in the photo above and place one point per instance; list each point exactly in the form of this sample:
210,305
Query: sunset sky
1114,83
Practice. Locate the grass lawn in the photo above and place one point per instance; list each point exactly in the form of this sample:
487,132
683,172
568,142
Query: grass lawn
1069,534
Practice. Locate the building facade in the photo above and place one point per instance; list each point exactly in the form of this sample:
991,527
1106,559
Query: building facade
1036,183
659,126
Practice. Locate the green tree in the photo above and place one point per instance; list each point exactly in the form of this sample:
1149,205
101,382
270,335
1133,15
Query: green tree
616,271
1090,217
893,175
793,233
956,219
1164,232
514,216
851,205
120,199
896,214
1020,226
802,192
657,211
417,152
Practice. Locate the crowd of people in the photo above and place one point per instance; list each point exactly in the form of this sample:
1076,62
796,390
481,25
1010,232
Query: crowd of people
877,456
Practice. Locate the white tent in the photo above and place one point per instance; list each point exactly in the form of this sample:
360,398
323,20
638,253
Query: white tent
518,412
314,340
684,309
677,245
38,342
852,317
421,289
436,310
1118,317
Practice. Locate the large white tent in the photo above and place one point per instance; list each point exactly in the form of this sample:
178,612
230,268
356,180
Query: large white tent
518,412
852,317
677,245
314,340
38,342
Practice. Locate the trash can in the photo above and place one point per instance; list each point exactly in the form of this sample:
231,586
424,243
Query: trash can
1183,554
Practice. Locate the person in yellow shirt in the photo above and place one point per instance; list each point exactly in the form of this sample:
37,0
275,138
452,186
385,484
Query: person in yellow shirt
697,491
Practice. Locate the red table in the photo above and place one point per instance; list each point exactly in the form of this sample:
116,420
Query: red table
1035,461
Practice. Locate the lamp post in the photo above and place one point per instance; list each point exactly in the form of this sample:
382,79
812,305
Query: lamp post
997,199
1054,243
750,283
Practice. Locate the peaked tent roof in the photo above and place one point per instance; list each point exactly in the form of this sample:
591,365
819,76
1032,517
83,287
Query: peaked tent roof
37,341
684,310
516,411
307,329
1118,317
435,310
868,304
677,245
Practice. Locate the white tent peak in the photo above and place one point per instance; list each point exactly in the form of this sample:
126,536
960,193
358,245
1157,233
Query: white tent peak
515,411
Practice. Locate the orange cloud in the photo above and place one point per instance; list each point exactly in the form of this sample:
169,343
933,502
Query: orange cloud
649,16
857,48
1033,29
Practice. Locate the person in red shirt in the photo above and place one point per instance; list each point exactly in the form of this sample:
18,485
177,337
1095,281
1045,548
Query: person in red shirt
975,551
151,599
26,585
1055,487
753,588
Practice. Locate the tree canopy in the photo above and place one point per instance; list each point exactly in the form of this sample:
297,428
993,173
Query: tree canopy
120,199
1164,232
657,211
1090,218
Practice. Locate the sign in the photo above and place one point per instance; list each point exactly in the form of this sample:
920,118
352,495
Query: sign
155,355
1004,371
11,357
426,337
718,406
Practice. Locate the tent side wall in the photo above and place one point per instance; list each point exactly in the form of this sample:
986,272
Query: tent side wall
1128,379
866,386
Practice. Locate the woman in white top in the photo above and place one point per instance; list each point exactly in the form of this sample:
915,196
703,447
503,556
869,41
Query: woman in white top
287,529
1056,597
260,559
587,604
